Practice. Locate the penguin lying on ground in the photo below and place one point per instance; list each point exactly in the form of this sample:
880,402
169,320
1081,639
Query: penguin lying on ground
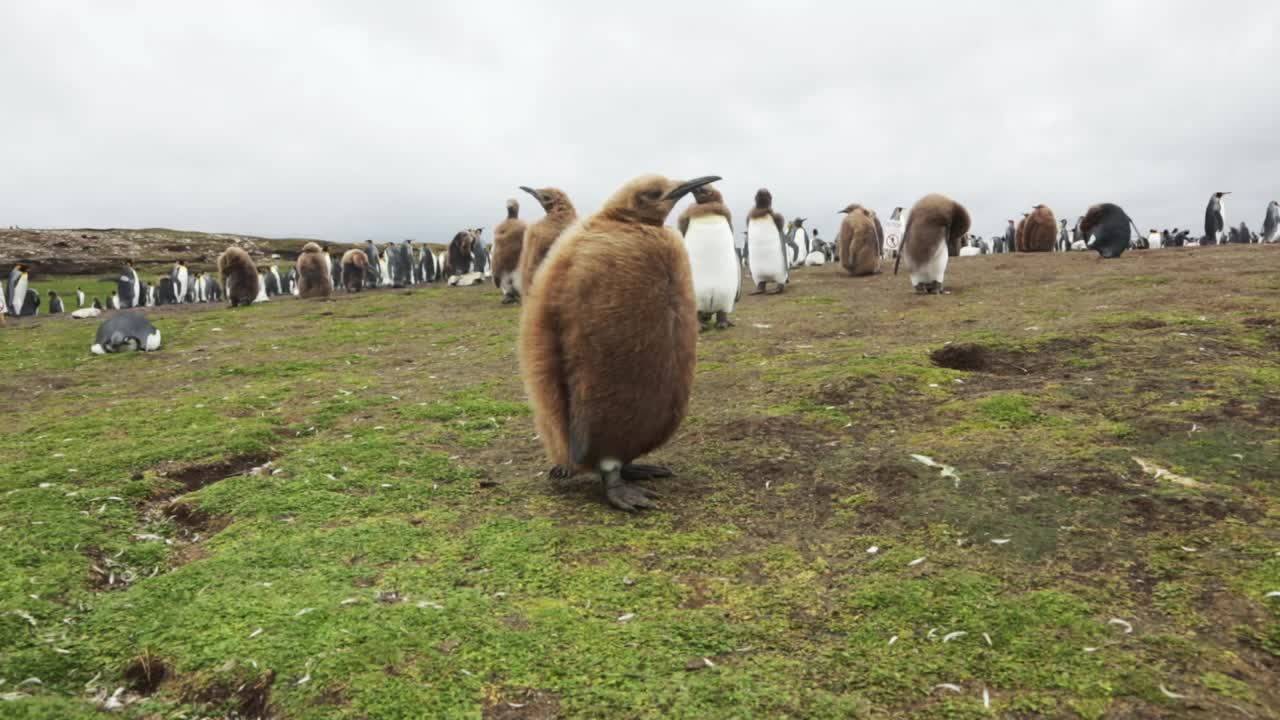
1107,227
608,339
459,259
934,227
86,313
707,227
125,332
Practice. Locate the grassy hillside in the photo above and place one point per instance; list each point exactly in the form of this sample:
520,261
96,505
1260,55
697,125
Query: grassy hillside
404,554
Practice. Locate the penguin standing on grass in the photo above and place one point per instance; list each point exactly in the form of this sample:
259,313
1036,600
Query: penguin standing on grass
1214,220
766,246
934,227
612,384
707,227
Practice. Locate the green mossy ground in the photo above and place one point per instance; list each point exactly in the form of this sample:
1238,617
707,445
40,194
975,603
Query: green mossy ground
406,556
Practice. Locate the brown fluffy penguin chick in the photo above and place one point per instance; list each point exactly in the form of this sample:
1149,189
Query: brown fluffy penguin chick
240,279
355,264
541,235
1019,235
859,242
508,239
934,228
608,339
1040,230
314,279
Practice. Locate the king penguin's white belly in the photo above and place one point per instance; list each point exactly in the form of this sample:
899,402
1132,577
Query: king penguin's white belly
716,273
934,269
764,246
815,259
18,295
262,289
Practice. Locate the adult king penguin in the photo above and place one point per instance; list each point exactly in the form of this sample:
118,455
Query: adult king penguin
859,245
765,245
373,270
608,339
1010,238
541,235
707,227
135,294
79,297
181,280
508,239
1064,236
1040,231
936,223
125,332
798,242
239,276
1271,223
1107,228
1214,219
17,290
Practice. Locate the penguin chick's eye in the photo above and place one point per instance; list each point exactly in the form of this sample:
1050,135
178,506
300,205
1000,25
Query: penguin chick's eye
651,195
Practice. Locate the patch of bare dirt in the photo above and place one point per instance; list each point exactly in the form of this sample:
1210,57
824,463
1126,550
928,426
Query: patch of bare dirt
145,673
241,698
521,705
197,475
1043,359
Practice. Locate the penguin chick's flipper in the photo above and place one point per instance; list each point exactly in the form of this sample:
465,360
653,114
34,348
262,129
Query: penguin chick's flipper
624,495
635,471
722,320
759,289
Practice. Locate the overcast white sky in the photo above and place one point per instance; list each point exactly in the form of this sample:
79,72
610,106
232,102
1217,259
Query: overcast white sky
389,119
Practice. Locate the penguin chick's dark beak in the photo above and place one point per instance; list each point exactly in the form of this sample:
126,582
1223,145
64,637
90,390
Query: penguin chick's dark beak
843,212
531,191
687,187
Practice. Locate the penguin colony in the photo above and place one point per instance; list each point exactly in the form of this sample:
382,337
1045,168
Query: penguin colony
601,397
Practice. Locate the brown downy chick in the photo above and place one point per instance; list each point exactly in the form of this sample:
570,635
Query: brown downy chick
314,278
859,242
608,339
541,235
508,241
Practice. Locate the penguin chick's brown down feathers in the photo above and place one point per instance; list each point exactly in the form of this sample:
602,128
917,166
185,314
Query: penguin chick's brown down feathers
1020,235
923,232
355,264
1039,230
706,201
239,276
859,242
539,237
314,279
508,240
608,338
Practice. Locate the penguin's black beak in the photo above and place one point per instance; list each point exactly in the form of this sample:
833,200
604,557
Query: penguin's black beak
843,212
687,187
531,191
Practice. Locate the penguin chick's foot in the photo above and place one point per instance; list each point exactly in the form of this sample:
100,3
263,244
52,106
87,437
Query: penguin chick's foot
722,320
704,321
782,287
922,288
560,472
759,289
624,495
935,288
635,471
508,299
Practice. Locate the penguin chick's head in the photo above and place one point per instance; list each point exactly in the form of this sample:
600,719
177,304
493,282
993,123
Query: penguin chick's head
764,199
649,199
850,208
513,208
548,197
704,194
